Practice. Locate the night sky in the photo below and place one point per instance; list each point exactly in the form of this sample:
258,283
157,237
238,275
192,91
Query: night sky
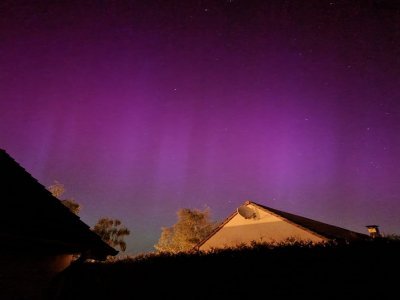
143,107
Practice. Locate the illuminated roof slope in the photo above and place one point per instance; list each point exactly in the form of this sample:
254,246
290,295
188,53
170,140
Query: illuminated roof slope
253,222
33,220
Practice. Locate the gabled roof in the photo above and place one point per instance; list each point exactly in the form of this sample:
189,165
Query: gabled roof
34,220
317,228
328,231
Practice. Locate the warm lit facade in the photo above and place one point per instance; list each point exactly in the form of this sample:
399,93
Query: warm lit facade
253,222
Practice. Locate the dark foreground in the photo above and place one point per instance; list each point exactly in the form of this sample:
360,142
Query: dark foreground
365,270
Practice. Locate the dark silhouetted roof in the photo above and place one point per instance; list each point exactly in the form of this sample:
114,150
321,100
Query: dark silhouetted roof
32,219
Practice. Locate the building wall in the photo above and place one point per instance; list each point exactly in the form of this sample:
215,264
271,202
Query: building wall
26,276
266,227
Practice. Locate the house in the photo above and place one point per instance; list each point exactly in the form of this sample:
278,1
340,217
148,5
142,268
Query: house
38,235
254,222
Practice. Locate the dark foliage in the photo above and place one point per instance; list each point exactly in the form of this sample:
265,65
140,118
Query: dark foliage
297,271
112,232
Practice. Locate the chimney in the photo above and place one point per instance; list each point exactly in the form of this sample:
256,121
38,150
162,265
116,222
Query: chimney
373,231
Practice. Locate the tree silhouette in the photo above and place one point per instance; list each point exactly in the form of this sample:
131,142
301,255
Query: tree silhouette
57,190
112,232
